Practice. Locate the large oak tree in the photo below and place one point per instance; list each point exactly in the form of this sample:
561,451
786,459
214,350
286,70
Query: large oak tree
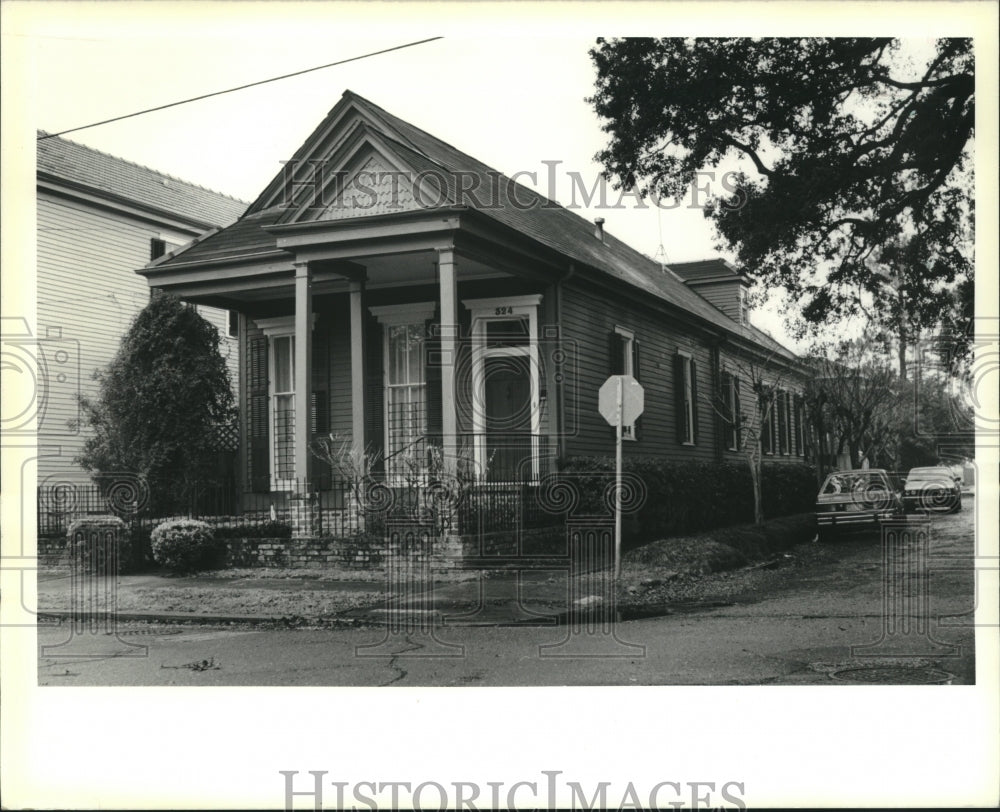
845,149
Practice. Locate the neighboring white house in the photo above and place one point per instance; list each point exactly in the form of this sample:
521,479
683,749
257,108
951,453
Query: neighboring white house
99,217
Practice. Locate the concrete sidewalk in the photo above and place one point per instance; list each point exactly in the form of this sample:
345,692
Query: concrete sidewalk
504,597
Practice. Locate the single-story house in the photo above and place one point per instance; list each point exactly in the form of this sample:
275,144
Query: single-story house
396,292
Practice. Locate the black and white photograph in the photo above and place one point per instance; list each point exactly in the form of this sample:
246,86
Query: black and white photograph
619,392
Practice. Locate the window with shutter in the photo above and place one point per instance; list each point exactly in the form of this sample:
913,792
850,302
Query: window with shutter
730,412
685,393
782,444
767,423
624,360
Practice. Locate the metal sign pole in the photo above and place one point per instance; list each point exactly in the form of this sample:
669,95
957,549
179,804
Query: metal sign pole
618,479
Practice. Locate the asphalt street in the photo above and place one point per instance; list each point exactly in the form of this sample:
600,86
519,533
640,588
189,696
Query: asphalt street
841,613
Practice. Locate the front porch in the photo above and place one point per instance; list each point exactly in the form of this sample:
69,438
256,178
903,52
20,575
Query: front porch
406,351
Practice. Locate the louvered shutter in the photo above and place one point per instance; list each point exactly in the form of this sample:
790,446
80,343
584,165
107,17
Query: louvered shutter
319,403
616,356
615,366
374,440
737,413
259,457
635,374
432,375
694,401
679,411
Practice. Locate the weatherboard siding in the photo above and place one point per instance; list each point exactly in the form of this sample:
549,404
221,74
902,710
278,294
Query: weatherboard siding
89,293
587,318
724,295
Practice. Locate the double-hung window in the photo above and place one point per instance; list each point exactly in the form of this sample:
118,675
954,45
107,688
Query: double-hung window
624,362
731,410
280,332
686,398
403,341
283,405
405,388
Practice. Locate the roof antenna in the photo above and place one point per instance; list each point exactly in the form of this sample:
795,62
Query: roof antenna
661,252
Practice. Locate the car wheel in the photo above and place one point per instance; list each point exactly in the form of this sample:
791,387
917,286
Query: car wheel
958,506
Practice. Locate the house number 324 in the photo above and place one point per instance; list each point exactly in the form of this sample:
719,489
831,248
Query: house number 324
505,311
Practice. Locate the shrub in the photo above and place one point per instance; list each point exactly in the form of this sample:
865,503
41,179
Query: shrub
263,530
682,498
184,545
86,545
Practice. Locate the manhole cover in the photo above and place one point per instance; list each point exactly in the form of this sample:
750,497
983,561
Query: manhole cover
893,675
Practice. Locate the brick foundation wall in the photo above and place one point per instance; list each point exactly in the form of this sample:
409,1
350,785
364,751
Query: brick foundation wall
51,549
366,553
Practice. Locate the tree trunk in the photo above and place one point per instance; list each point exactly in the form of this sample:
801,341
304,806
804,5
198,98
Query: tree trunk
902,350
758,496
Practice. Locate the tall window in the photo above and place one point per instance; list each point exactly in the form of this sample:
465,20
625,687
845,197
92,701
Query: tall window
731,410
405,399
800,427
283,405
685,390
767,423
789,427
624,362
405,388
782,446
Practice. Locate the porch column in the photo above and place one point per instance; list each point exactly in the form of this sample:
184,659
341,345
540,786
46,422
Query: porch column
357,288
448,283
303,368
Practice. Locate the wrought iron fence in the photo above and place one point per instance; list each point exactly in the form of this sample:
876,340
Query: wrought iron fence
492,486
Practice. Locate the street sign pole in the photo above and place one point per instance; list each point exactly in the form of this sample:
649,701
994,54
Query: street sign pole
618,479
620,400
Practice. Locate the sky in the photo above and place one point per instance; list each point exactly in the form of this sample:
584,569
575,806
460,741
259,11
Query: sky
516,102
509,89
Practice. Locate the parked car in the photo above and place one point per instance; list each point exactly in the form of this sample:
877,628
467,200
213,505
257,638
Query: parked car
932,489
855,500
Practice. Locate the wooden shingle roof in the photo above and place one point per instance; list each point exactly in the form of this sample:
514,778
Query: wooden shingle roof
67,162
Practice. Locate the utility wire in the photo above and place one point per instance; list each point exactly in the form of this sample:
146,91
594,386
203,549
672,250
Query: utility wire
241,87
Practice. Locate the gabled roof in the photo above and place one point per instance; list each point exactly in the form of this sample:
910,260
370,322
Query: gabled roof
65,161
517,207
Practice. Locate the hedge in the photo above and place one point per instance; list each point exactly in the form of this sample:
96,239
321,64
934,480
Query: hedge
682,498
84,542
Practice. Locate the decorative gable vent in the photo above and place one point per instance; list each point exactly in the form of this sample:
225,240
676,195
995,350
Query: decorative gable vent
376,188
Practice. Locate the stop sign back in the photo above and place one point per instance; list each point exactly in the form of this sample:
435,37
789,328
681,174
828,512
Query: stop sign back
633,399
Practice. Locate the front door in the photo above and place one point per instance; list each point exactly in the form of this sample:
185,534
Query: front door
507,412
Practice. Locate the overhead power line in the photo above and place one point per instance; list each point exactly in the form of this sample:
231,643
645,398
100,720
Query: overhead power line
241,87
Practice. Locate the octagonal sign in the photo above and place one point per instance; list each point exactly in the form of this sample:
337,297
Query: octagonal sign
633,399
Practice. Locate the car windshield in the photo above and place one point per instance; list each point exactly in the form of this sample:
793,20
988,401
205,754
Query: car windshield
847,481
929,475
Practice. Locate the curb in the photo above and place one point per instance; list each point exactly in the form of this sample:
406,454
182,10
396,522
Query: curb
163,617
